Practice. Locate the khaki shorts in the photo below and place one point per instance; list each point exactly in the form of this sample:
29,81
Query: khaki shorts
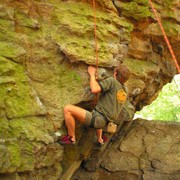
99,122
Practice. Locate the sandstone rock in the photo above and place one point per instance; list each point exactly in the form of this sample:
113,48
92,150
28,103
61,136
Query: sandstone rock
12,51
134,142
159,176
136,9
45,48
150,150
120,161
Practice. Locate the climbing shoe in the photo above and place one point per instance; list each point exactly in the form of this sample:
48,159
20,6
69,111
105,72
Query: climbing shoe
105,138
66,140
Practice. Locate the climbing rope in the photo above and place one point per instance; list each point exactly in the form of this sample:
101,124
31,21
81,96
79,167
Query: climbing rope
165,36
160,25
96,46
95,35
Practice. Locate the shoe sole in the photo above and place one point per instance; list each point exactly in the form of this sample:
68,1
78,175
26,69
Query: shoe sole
64,143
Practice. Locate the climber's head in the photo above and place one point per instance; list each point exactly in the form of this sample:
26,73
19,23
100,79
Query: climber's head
122,73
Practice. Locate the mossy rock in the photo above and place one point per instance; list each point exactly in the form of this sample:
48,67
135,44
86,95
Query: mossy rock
25,20
142,68
171,29
4,128
32,128
137,10
57,83
7,31
7,81
4,156
22,101
22,140
6,13
12,51
142,2
74,32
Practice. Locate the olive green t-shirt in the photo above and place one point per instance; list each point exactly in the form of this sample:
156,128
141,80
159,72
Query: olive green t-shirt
112,98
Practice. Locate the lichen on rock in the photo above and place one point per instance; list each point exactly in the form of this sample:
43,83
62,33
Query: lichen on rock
45,48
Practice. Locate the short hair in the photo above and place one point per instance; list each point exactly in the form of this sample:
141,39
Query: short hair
122,73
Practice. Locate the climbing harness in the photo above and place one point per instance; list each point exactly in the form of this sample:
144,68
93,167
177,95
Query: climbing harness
165,36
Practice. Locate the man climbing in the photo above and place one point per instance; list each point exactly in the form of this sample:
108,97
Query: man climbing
109,105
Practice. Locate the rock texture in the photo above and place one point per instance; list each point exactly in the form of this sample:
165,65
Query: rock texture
45,48
150,150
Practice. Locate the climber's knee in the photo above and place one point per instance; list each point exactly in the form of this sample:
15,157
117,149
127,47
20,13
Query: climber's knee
67,109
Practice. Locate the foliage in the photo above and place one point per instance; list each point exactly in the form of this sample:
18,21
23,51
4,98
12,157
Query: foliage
167,105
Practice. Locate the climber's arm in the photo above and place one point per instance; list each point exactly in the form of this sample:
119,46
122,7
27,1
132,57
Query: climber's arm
95,87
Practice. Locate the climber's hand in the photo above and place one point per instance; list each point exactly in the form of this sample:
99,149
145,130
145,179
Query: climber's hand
91,70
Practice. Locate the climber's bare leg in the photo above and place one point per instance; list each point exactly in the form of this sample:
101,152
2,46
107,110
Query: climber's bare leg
71,113
99,135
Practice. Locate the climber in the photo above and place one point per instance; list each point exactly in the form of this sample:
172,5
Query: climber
107,109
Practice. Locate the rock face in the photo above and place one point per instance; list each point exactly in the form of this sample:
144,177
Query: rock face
45,48
150,150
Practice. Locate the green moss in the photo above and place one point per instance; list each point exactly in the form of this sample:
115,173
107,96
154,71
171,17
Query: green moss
171,28
142,2
25,20
127,25
75,76
7,81
140,67
7,31
19,99
20,137
70,78
74,31
27,155
168,3
3,90
4,156
12,51
135,10
31,128
166,9
4,126
22,102
167,13
21,155
15,158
